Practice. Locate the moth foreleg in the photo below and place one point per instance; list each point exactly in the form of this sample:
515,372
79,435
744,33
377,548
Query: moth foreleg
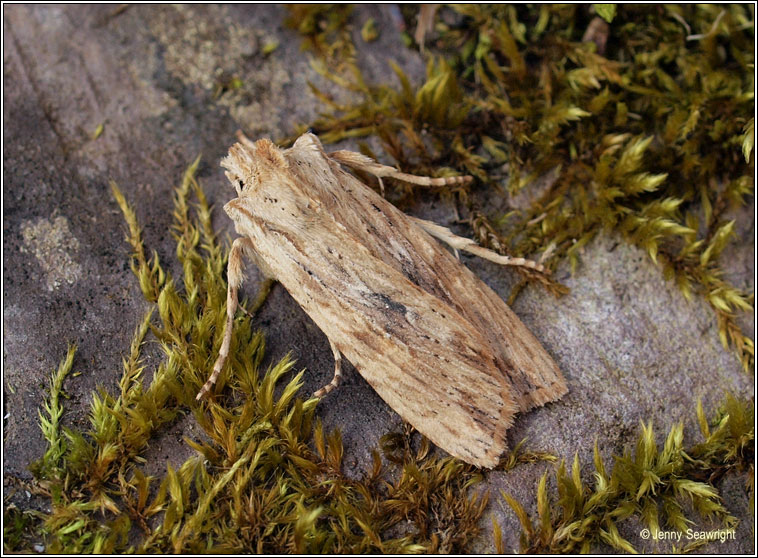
235,276
337,374
360,162
468,245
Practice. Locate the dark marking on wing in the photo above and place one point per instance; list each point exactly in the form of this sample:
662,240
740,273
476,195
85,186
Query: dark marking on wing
386,304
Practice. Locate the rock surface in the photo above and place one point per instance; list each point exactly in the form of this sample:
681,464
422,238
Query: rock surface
630,347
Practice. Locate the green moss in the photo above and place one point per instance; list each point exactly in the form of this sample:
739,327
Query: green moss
369,31
653,484
98,131
652,139
19,529
606,11
324,28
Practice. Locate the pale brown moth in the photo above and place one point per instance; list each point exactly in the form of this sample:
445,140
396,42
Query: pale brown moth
437,344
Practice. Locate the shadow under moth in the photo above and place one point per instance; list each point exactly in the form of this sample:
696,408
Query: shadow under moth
436,343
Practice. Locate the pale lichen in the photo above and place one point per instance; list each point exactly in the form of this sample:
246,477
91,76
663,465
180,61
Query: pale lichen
55,248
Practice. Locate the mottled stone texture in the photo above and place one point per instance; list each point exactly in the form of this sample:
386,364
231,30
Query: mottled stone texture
631,348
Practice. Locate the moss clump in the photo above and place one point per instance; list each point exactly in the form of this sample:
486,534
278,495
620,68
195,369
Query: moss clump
650,484
266,478
651,138
324,29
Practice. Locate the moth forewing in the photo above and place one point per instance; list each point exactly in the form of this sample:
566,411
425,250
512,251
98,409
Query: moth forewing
439,346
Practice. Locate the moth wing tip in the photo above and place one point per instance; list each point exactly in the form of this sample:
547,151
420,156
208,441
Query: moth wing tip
489,457
546,394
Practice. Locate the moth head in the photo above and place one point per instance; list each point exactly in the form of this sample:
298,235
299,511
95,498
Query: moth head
249,163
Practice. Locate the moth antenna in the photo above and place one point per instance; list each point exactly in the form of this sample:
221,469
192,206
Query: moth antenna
468,245
360,162
244,140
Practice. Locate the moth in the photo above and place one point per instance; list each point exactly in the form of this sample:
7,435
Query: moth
436,343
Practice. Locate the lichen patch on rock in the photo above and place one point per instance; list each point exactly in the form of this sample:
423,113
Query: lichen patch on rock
55,248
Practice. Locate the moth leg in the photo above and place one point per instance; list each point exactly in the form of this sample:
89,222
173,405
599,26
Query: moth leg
360,162
235,275
337,374
468,245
